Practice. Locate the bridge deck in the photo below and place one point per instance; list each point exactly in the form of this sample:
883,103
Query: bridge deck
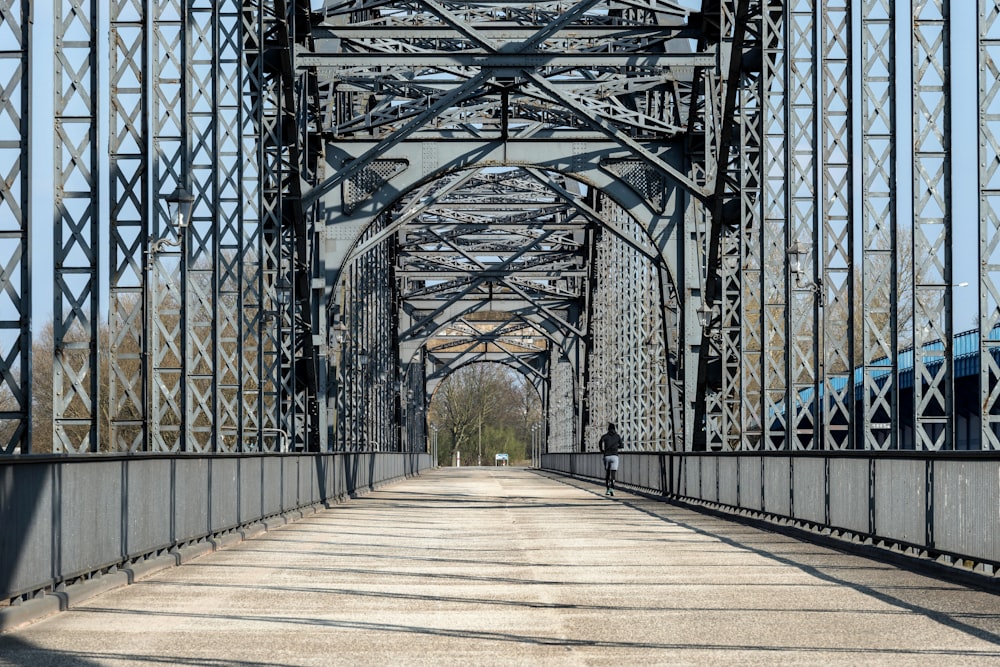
505,566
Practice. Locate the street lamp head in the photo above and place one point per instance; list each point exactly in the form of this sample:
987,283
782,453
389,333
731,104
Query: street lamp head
796,254
340,333
179,207
705,315
283,290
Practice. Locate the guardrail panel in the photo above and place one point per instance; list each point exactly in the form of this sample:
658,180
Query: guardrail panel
251,490
710,479
729,470
225,496
967,508
855,490
308,482
190,498
26,536
148,502
849,494
900,500
273,483
629,464
90,513
809,489
750,483
324,478
290,482
692,477
675,472
111,509
338,482
777,492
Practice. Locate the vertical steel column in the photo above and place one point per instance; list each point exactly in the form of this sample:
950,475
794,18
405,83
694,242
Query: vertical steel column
560,412
348,402
751,213
228,213
15,234
367,388
201,300
164,293
837,286
252,322
130,149
601,362
627,380
729,313
773,242
271,138
289,413
989,221
76,369
802,176
878,220
655,416
730,241
933,369
716,417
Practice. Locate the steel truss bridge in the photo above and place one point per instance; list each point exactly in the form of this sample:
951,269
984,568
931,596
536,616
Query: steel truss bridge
686,217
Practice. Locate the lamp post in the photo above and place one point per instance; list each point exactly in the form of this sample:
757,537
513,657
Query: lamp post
534,429
434,444
178,215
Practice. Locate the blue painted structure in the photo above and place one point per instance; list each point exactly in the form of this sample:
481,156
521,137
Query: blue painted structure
966,358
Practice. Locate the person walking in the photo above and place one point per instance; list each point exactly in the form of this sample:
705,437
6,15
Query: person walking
610,443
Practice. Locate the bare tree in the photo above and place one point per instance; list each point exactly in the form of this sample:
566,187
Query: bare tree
483,405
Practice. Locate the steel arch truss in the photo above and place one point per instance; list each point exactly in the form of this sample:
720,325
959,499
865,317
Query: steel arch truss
455,132
693,222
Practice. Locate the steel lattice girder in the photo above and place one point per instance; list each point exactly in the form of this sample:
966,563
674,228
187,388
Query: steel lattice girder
622,97
444,263
76,240
300,133
15,236
989,222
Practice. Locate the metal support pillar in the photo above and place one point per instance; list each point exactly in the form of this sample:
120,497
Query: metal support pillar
76,242
15,230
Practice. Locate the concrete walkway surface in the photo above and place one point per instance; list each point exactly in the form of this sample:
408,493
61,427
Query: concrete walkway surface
506,566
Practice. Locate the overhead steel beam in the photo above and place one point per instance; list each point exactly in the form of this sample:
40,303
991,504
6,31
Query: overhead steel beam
504,61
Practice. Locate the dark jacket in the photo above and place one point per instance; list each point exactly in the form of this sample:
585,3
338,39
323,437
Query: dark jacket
610,443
